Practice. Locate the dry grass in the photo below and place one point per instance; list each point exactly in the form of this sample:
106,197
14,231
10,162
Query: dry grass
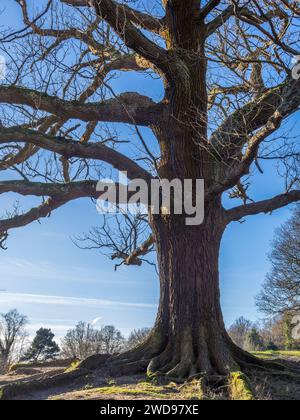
95,386
141,389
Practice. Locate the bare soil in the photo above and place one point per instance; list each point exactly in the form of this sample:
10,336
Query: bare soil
96,386
31,373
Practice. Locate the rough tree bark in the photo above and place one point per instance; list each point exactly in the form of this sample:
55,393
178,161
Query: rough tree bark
189,322
190,315
189,336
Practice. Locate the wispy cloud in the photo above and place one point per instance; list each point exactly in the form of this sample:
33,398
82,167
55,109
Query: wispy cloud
24,298
96,320
48,270
57,328
17,267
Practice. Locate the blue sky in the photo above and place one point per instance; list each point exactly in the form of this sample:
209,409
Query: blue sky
56,284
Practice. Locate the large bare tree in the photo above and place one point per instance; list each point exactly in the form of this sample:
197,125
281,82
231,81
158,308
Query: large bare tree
228,89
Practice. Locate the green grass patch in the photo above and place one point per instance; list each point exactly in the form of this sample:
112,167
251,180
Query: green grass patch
276,354
139,391
146,389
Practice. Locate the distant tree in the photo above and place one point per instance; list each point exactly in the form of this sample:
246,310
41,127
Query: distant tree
281,290
137,337
278,332
254,341
272,332
240,330
12,335
43,346
82,342
112,340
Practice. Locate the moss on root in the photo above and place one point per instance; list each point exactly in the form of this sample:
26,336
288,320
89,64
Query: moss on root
239,387
73,366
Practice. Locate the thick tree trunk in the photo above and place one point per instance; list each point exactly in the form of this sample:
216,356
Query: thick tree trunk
189,336
189,333
190,319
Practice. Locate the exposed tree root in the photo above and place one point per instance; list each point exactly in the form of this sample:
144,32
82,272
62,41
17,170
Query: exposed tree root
94,362
223,367
182,359
179,361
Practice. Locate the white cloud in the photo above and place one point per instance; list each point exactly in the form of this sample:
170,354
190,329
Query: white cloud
45,270
24,298
19,267
96,320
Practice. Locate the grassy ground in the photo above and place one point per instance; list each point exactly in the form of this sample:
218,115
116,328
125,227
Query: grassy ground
278,354
139,388
96,386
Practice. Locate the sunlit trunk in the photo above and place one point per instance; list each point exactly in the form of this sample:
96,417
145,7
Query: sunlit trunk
190,317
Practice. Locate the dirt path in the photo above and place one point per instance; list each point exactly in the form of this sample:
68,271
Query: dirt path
31,374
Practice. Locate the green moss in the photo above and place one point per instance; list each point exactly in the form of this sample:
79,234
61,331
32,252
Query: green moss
193,390
261,355
240,388
152,376
126,391
141,389
119,390
145,385
190,390
73,366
